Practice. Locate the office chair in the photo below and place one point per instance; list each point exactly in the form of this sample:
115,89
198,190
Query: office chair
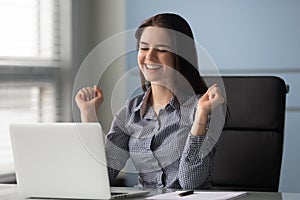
249,150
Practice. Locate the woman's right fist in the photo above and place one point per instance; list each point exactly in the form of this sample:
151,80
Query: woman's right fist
88,100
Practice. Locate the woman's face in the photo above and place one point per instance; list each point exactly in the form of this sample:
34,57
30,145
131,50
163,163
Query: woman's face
155,57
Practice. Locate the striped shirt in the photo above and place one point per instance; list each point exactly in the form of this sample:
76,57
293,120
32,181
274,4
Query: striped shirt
164,152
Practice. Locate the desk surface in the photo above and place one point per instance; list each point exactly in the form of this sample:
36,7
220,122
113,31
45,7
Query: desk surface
10,192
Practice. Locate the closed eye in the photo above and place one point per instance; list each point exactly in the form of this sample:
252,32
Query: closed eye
144,48
163,50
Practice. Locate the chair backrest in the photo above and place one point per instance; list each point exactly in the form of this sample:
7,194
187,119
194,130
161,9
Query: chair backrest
249,150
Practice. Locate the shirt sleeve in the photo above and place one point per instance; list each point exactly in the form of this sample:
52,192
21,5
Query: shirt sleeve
197,159
116,145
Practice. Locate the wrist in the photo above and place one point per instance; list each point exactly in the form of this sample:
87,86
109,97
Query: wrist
201,111
90,116
200,122
201,116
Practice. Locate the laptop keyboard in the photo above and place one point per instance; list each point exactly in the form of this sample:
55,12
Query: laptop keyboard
118,193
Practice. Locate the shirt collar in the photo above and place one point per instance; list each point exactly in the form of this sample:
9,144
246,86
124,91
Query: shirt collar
144,105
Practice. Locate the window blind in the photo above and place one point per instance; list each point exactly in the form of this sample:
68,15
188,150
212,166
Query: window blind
29,67
23,103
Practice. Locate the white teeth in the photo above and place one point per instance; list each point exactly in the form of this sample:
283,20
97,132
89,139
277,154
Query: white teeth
153,66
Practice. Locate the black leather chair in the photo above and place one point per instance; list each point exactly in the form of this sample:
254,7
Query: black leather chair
249,150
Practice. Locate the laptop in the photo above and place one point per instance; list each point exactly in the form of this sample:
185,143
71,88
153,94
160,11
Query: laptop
63,160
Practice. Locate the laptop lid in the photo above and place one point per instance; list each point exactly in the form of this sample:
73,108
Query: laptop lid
60,160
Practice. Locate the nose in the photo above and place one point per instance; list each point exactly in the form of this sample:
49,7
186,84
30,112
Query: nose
151,55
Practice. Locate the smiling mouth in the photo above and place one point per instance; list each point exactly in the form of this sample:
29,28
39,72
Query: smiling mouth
153,67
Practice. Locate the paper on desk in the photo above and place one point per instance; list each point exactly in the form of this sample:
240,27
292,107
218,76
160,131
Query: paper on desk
200,195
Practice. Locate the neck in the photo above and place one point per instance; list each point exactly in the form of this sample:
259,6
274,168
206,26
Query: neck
161,96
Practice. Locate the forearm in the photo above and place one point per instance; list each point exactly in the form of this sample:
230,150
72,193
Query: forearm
197,158
116,159
200,123
117,150
194,168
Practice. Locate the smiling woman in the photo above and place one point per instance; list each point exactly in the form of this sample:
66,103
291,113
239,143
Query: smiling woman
166,129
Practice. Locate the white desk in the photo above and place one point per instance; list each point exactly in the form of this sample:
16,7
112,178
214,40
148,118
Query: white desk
10,192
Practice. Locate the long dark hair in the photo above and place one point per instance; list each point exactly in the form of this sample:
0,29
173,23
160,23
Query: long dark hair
186,57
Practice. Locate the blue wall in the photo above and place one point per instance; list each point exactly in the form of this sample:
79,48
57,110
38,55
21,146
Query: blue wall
258,37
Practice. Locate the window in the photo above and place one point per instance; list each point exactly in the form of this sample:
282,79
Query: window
29,34
30,67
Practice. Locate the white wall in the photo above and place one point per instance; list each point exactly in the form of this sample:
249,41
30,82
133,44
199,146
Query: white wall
94,23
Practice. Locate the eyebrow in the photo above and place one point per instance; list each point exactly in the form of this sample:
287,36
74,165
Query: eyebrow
159,45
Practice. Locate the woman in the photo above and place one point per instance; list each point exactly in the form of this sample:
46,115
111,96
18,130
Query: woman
165,130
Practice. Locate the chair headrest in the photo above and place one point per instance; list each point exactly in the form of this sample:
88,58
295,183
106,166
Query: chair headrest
254,102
